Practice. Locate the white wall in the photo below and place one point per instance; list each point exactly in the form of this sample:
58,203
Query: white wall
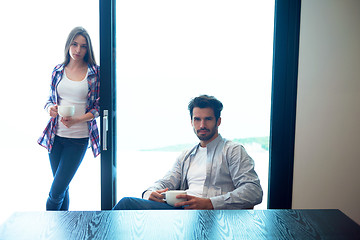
327,143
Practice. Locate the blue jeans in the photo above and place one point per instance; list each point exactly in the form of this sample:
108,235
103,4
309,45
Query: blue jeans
65,158
131,203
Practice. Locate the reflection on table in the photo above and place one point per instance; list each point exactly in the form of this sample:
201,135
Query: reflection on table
181,224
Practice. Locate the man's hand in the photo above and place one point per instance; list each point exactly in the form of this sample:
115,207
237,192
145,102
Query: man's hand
194,202
157,196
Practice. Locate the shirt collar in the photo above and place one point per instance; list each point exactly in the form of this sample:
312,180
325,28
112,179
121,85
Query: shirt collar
91,69
210,146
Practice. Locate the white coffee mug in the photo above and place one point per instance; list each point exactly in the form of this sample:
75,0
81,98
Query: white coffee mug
66,110
170,196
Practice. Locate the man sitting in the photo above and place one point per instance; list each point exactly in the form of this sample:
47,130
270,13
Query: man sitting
216,173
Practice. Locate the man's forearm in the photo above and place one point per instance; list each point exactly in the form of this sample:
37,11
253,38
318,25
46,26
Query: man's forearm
238,199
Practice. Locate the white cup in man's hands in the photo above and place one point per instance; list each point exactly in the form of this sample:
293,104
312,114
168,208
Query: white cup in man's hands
170,196
66,110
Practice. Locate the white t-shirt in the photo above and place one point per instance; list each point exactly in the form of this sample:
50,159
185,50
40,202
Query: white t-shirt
197,173
73,93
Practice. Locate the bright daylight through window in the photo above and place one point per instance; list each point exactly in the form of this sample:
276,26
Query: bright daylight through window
32,43
171,51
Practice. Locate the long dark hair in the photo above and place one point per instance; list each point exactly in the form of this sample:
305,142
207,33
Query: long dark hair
89,56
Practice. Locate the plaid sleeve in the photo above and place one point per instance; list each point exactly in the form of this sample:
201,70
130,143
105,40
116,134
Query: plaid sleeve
47,138
93,106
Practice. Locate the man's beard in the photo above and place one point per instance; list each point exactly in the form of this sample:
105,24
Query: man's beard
206,137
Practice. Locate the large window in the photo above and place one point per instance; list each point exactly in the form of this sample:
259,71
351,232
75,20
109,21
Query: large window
169,52
33,35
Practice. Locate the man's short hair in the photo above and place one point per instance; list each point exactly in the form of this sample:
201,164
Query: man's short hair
205,101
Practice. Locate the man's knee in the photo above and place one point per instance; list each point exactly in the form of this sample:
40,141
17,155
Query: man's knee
124,203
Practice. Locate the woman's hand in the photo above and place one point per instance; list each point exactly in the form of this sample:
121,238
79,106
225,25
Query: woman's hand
53,111
69,121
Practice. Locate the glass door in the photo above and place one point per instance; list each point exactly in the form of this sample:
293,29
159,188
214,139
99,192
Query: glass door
169,52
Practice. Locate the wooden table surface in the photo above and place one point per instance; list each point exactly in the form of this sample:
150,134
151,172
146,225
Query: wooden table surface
181,224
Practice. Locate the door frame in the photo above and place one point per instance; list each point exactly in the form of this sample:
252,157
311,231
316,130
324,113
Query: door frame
107,10
283,103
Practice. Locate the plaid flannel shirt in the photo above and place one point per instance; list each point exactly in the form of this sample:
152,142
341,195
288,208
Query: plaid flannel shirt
47,138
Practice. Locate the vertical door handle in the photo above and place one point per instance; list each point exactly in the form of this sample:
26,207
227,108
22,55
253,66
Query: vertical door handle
105,129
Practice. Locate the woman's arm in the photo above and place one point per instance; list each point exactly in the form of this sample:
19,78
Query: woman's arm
70,121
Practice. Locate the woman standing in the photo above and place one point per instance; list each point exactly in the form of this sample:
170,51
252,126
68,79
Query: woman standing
75,82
